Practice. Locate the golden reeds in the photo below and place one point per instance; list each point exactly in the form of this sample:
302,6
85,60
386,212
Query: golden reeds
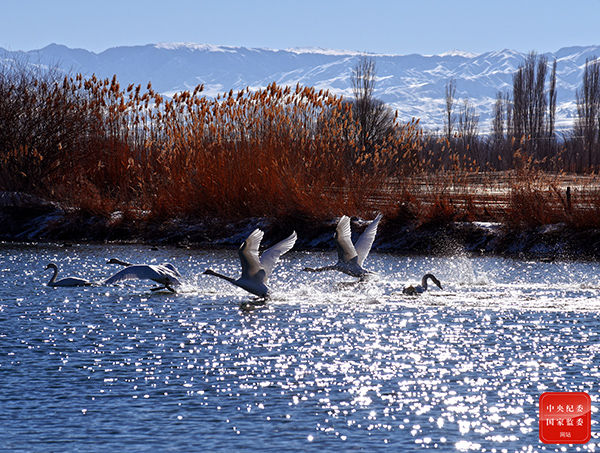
278,151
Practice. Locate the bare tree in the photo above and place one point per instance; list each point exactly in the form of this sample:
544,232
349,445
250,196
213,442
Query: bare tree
498,120
508,109
449,119
588,108
468,123
376,120
529,100
539,100
552,101
519,101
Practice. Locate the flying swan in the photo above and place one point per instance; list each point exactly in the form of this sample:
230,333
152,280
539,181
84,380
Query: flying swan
69,281
351,257
255,270
126,264
165,274
420,289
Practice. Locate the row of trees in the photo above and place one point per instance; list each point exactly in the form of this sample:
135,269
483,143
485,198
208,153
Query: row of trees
523,123
524,120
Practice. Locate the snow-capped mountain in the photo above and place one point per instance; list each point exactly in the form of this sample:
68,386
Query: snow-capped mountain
412,84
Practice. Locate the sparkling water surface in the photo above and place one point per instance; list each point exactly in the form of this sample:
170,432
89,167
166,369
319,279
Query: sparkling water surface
326,365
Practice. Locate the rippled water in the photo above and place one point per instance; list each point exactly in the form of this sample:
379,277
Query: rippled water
325,365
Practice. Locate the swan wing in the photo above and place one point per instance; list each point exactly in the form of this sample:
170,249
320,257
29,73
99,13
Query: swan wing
343,240
171,269
137,272
365,241
271,256
249,254
167,272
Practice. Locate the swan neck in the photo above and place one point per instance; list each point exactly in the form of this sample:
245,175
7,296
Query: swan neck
54,274
216,274
433,280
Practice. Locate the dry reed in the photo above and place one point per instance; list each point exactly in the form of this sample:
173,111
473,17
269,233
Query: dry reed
279,151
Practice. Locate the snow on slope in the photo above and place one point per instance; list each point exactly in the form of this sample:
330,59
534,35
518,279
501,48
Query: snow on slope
412,84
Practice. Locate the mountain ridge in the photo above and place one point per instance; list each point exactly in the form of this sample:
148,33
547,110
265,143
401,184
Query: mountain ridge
413,84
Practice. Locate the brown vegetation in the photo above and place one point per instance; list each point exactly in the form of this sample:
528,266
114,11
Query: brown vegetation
280,151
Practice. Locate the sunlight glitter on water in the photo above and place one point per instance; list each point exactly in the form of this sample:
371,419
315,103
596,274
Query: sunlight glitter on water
325,363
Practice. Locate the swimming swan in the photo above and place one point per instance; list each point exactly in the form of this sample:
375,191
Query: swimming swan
255,270
165,274
351,257
420,289
69,281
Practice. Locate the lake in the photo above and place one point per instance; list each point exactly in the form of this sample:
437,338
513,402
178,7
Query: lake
325,365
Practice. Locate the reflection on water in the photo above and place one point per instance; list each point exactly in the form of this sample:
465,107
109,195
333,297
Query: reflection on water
324,364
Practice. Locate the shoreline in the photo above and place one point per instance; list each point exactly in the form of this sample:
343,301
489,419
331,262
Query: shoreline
26,218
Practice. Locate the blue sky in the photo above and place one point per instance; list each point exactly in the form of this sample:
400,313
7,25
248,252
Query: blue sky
401,27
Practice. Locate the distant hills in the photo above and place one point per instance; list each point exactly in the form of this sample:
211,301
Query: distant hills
413,84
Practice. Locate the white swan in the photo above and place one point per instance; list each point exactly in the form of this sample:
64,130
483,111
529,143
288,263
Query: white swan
69,281
351,257
255,270
165,274
420,289
126,264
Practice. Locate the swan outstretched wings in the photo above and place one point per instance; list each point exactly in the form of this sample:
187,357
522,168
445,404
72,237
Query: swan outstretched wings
351,257
365,241
256,270
127,264
270,257
156,272
343,240
248,253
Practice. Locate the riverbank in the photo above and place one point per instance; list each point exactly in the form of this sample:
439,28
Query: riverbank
26,218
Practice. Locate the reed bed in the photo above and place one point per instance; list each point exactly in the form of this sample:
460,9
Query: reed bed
280,151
